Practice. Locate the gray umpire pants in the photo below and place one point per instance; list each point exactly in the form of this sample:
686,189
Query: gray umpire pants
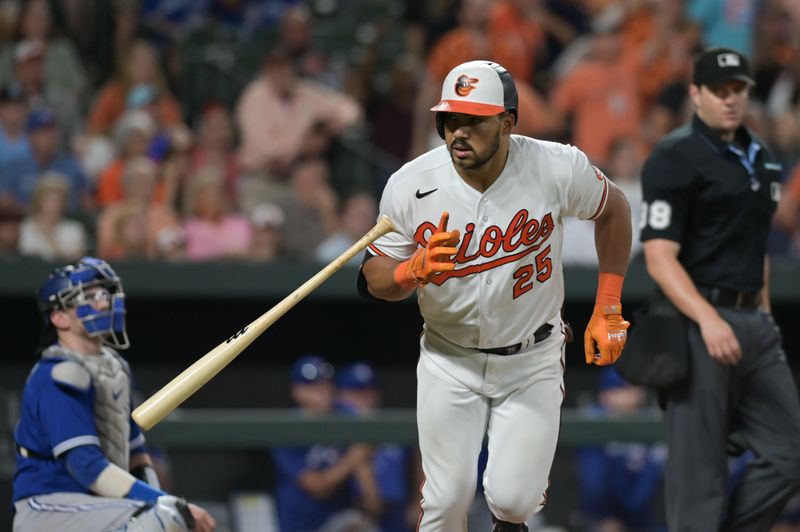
756,399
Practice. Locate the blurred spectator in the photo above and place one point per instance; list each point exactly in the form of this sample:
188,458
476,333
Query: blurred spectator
520,22
659,40
296,32
620,481
13,116
389,99
358,214
248,18
45,233
213,232
172,20
19,174
214,146
130,232
311,210
138,68
163,230
670,109
47,65
267,221
624,169
9,231
133,136
357,390
787,216
315,484
729,23
283,118
91,27
601,89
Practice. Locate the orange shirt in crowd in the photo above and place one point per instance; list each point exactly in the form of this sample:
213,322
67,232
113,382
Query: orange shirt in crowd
604,103
110,189
458,46
535,117
110,105
521,31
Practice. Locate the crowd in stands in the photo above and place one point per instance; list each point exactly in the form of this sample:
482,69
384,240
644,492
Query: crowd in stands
261,130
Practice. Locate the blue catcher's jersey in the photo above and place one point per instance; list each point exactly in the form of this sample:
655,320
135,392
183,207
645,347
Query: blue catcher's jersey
297,510
55,417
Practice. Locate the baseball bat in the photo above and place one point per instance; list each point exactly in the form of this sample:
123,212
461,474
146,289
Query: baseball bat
198,374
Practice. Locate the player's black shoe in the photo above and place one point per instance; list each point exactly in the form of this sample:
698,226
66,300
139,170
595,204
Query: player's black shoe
505,526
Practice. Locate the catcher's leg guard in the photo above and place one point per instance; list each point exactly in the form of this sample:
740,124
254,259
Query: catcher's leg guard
505,526
168,514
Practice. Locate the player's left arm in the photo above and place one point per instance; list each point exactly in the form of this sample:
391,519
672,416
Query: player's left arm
606,333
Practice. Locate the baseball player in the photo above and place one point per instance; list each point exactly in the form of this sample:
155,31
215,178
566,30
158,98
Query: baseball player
81,461
479,231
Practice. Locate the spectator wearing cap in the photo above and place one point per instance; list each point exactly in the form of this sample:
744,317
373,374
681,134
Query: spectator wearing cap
619,482
391,463
45,233
133,137
20,174
357,216
13,116
315,484
267,221
47,64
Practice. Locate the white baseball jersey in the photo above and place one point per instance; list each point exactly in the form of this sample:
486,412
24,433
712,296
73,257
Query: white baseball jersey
508,278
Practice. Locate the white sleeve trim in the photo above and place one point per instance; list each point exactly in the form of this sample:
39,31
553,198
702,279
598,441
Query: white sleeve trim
113,481
137,442
71,443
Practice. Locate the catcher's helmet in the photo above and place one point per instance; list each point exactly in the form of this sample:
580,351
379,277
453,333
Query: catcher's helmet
481,88
65,288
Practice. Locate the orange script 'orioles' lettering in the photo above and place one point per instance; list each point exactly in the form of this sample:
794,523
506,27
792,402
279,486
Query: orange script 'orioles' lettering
521,231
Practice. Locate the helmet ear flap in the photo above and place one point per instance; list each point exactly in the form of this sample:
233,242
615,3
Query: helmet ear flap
439,117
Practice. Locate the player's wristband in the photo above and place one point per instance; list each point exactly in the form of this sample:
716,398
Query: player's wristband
143,492
609,289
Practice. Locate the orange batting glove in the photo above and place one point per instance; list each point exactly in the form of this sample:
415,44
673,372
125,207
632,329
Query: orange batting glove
606,333
431,260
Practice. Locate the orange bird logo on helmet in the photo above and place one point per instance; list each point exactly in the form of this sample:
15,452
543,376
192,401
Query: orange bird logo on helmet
465,84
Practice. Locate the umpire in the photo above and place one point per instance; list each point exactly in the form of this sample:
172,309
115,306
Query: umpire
710,189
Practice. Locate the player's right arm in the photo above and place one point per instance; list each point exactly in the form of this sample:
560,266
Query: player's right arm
663,224
379,275
393,280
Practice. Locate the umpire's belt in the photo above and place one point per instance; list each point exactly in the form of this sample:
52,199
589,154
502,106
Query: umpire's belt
539,335
727,297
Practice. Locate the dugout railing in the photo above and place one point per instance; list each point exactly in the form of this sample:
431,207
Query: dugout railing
262,428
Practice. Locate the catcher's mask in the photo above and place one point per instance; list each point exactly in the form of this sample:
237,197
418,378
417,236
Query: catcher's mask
482,88
69,287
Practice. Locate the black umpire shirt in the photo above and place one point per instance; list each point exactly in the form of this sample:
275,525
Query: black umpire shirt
716,200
